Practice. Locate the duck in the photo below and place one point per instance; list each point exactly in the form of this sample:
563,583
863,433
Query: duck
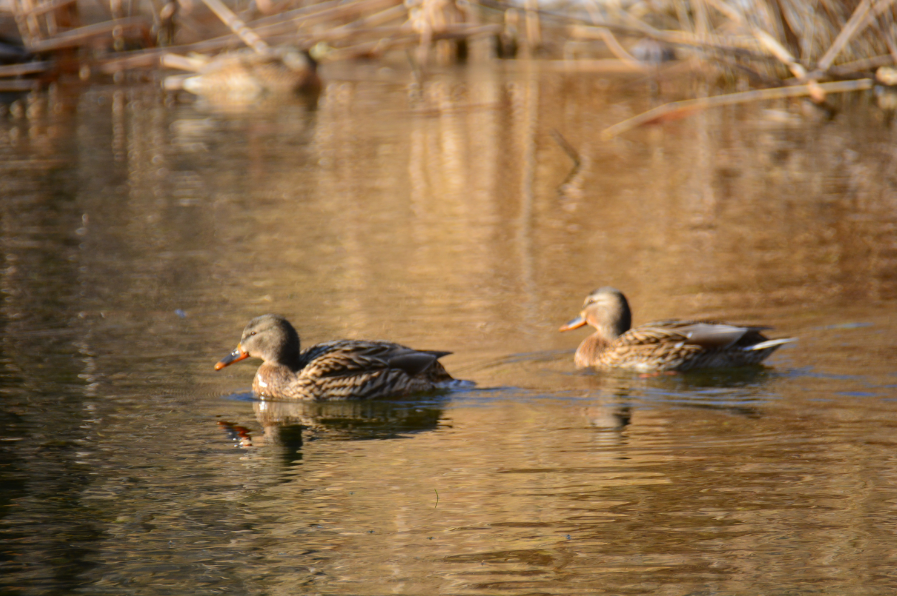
246,76
661,346
334,370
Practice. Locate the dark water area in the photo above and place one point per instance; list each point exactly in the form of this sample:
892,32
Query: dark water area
139,236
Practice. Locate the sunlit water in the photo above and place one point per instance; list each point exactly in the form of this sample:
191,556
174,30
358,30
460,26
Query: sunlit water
138,238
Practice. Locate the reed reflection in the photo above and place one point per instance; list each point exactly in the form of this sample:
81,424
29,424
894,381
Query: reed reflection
371,220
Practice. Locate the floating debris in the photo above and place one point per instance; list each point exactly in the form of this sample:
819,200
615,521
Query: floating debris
245,76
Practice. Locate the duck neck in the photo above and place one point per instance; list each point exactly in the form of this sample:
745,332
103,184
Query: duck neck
611,331
271,378
590,348
291,354
611,323
294,362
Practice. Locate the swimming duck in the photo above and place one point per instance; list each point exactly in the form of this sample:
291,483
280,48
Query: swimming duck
663,345
334,370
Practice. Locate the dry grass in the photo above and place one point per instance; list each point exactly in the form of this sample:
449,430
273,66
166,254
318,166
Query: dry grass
775,37
774,43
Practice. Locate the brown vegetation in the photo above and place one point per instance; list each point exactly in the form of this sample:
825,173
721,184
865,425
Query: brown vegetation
799,48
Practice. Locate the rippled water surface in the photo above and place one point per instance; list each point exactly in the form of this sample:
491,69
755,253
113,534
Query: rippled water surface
138,237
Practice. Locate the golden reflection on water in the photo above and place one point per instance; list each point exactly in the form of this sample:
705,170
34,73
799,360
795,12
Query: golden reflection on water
676,497
452,205
139,238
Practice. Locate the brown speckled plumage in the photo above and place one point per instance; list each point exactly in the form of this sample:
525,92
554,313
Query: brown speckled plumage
672,345
343,369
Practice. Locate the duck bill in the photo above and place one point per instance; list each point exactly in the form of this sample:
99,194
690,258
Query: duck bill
573,324
235,356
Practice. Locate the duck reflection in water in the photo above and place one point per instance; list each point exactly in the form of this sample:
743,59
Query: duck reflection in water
335,370
672,345
285,423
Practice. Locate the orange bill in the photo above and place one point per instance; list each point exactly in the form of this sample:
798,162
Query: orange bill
235,356
573,324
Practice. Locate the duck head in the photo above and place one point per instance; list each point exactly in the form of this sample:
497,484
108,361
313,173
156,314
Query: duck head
269,337
605,309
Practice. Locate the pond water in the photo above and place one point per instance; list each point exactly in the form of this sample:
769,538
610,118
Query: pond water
140,235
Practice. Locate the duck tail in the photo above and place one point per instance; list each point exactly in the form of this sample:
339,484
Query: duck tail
771,343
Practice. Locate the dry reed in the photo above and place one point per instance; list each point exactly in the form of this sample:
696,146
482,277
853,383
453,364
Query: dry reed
776,43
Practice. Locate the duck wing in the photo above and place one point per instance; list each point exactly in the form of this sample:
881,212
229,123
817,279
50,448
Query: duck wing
706,334
413,362
354,357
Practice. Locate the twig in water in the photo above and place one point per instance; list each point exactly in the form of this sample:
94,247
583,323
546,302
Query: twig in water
681,109
437,498
851,68
571,152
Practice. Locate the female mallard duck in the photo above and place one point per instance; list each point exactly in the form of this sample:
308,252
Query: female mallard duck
662,345
344,369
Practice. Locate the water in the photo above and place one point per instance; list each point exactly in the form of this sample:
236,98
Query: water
138,238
